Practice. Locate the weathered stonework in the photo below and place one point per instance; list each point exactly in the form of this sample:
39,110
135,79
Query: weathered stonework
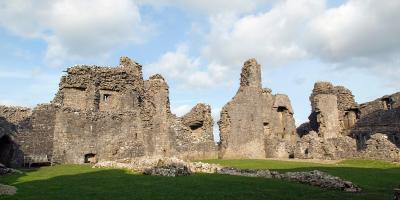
106,113
112,113
13,120
344,129
378,147
255,122
379,116
312,146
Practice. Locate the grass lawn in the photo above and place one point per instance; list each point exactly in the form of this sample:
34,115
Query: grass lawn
376,178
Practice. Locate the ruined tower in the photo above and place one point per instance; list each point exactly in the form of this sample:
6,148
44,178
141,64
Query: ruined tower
340,128
256,121
333,110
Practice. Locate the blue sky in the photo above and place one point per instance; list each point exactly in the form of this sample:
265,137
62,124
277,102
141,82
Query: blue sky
199,46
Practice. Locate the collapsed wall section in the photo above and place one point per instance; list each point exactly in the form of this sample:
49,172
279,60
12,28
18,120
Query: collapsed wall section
379,116
157,117
333,112
252,122
340,128
194,133
346,108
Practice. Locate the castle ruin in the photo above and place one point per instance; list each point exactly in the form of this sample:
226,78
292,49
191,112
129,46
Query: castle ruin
106,113
341,128
255,123
112,113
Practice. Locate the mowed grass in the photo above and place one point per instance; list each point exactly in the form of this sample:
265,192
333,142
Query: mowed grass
376,178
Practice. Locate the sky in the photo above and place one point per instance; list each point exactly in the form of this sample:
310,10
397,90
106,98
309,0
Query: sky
199,46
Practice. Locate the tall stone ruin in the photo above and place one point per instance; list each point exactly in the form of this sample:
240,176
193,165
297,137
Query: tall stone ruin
334,110
341,128
107,113
255,123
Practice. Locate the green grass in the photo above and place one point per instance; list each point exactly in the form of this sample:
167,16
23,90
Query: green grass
376,178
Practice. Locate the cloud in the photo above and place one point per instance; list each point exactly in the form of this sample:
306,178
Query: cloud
187,71
273,37
210,7
181,110
358,34
74,29
356,29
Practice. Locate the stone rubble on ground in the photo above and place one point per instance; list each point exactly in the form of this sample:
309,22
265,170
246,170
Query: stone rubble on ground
5,170
146,163
7,190
165,166
168,170
321,179
314,178
263,173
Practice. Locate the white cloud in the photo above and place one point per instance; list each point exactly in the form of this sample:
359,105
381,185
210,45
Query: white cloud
273,37
181,110
356,29
211,6
361,34
188,71
74,29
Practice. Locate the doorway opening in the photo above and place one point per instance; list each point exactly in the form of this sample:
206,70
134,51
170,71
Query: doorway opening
90,158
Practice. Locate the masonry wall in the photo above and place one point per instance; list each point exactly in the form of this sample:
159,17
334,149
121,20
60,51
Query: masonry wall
39,140
15,122
194,134
107,136
255,123
340,128
379,116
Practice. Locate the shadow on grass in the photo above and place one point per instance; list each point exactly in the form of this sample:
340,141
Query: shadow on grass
119,184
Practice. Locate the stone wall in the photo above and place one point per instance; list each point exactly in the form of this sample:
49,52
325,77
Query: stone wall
379,116
104,135
38,139
340,128
106,113
111,113
255,121
326,114
346,107
195,138
13,122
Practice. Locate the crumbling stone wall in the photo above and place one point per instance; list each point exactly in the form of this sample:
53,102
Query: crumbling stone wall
333,113
108,113
38,139
194,132
252,122
344,129
325,108
381,148
379,116
346,107
13,121
313,146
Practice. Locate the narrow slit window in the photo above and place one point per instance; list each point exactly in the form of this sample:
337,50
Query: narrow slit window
106,97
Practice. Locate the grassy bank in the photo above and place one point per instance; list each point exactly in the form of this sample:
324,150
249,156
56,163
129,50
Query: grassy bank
376,178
